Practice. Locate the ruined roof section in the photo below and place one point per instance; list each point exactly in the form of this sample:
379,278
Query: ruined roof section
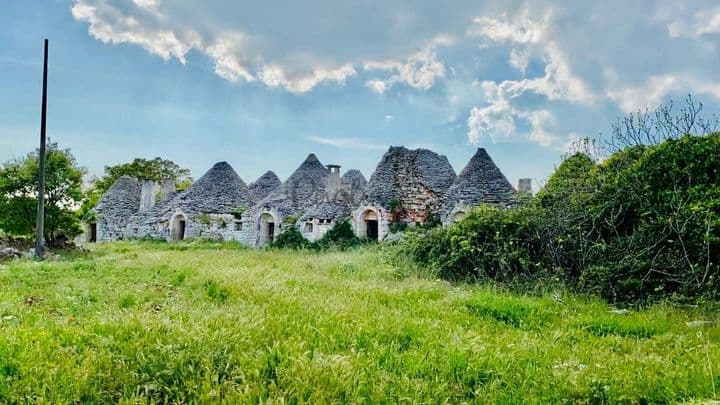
401,167
218,191
121,199
304,188
479,182
356,180
333,210
266,183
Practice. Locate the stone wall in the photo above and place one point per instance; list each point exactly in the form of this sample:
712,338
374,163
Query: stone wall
116,207
416,179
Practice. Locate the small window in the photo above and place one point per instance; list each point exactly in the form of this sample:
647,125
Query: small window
238,226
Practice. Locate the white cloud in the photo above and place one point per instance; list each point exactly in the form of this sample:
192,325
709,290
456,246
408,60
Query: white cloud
704,21
499,119
519,59
127,29
653,92
275,76
292,57
540,120
419,71
494,121
667,48
520,29
378,86
559,82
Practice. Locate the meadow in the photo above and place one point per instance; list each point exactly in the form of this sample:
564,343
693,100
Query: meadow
144,322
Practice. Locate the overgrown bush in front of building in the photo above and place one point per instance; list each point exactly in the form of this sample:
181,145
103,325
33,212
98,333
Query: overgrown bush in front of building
642,224
340,236
291,238
490,243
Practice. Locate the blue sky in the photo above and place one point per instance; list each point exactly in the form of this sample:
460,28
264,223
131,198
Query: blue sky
262,86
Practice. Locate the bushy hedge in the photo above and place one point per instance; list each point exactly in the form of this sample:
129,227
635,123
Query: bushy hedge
643,224
340,236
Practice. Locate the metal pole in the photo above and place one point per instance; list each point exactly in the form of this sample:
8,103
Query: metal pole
40,237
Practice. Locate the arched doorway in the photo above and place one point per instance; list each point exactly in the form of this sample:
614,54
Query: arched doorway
371,224
177,228
266,227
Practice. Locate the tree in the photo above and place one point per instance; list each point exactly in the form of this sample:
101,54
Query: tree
63,193
156,169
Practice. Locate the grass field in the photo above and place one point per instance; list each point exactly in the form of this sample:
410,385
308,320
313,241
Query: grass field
148,322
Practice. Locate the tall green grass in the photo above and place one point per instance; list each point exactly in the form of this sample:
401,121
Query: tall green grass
150,322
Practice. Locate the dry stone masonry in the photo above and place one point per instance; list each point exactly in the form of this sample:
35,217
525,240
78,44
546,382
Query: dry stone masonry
264,185
408,186
479,182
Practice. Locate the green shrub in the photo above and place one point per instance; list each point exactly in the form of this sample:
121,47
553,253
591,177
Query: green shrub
489,243
398,227
339,236
291,238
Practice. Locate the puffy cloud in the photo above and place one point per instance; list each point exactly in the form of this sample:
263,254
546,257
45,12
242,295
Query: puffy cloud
275,76
297,47
110,25
559,82
378,86
420,71
531,60
499,119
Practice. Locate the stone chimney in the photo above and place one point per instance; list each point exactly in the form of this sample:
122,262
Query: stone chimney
166,189
147,194
332,184
525,186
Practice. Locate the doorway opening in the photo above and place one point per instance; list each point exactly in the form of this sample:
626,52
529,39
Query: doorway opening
371,225
177,229
267,228
92,233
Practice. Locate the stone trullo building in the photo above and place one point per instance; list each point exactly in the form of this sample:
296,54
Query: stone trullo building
408,186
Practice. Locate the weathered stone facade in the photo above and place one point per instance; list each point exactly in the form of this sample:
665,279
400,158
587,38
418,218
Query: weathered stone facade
412,180
407,186
113,211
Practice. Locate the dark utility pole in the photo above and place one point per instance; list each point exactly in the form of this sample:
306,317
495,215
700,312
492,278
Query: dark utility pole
40,237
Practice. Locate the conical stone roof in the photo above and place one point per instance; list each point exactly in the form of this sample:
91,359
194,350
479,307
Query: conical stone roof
218,191
355,179
402,171
266,183
304,188
121,199
481,181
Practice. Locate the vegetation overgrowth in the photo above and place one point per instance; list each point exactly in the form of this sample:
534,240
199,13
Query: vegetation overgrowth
139,322
642,224
339,237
